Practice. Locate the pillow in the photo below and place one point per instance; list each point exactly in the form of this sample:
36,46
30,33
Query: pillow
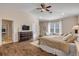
66,37
69,38
65,34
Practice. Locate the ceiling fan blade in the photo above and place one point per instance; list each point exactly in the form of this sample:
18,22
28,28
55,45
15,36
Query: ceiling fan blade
38,8
47,9
48,6
50,12
41,11
43,5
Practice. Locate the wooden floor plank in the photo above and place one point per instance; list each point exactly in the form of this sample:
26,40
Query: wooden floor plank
21,49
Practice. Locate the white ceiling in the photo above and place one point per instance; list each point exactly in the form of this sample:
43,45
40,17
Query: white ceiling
59,10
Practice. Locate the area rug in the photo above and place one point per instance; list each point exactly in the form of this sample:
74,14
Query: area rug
22,49
35,43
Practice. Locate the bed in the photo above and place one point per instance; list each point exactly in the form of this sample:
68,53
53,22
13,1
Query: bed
56,45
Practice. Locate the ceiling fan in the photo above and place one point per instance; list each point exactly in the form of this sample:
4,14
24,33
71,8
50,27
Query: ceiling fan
44,7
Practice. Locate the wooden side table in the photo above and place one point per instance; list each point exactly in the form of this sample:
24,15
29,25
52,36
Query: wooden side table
77,47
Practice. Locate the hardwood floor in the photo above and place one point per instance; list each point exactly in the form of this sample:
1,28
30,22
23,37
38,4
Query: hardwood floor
6,40
22,49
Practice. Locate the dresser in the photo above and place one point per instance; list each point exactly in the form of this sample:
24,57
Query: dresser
23,36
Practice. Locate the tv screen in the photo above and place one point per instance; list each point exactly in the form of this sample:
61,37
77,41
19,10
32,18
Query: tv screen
25,27
3,30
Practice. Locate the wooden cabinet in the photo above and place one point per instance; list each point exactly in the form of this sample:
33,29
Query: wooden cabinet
23,36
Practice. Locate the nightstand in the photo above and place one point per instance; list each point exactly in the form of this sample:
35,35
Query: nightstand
77,47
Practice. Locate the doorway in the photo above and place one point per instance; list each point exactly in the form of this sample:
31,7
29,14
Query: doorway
6,31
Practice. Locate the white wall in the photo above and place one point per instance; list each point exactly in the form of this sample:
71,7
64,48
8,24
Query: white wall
78,19
43,27
68,23
18,19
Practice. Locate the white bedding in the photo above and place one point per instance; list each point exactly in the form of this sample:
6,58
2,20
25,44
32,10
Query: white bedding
50,49
72,50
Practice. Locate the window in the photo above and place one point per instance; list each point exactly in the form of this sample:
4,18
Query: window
55,27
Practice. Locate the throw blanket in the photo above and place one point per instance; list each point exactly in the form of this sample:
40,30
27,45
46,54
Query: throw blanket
55,42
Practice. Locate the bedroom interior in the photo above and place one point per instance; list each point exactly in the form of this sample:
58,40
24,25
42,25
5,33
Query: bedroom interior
43,29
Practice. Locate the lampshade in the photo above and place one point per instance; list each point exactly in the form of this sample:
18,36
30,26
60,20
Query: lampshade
76,27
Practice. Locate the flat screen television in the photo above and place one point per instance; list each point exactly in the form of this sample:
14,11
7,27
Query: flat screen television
3,30
25,27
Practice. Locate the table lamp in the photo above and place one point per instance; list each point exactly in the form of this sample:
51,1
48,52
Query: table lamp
76,28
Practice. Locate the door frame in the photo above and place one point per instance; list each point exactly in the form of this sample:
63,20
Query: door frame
12,28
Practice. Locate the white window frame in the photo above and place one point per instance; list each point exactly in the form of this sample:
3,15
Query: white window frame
60,27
